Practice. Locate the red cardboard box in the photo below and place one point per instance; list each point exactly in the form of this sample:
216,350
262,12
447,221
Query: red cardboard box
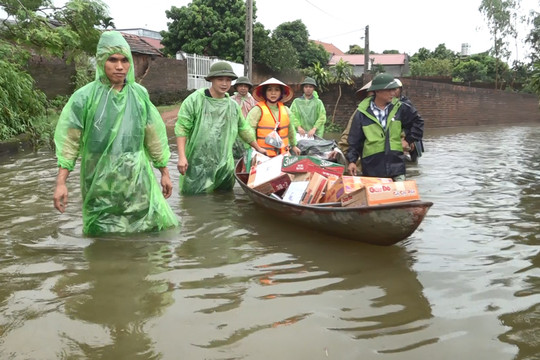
382,193
302,164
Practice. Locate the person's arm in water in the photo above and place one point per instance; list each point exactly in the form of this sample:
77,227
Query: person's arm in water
182,160
166,183
60,196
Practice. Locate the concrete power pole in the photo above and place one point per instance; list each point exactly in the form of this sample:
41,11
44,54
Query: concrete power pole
366,52
248,47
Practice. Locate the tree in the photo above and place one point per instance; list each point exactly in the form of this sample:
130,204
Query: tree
498,14
390,52
469,70
207,27
71,32
432,67
279,55
355,50
341,74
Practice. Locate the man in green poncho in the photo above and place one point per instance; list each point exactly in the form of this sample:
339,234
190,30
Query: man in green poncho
117,131
307,111
208,124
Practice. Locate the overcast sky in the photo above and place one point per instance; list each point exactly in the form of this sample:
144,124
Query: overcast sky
405,25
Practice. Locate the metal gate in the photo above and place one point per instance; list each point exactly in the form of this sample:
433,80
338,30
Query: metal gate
198,66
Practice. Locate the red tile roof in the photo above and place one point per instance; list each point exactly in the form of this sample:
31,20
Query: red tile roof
331,48
382,59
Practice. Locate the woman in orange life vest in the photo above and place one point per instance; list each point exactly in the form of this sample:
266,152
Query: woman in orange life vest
269,112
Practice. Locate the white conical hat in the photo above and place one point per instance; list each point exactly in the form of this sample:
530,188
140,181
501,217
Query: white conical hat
287,91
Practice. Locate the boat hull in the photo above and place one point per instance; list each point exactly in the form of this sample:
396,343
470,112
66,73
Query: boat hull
379,225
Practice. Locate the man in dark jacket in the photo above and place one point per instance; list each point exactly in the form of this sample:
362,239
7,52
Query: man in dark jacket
375,134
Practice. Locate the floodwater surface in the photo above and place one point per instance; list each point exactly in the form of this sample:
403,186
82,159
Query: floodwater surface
233,282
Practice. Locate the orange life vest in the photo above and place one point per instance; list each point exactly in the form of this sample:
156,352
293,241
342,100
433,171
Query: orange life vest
266,125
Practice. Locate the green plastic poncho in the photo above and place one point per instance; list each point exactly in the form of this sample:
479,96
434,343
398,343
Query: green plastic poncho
309,114
211,126
117,134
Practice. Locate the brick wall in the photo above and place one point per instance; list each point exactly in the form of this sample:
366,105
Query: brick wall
444,105
440,104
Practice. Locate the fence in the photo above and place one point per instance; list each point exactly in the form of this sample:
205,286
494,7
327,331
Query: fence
198,66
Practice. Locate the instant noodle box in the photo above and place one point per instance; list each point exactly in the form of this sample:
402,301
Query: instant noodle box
267,176
347,184
378,194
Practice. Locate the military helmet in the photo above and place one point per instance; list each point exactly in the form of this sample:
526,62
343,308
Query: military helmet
383,82
221,68
309,81
243,80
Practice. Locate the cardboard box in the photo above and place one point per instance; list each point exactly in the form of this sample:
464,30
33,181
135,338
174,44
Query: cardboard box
265,171
348,184
267,176
315,189
295,191
302,164
382,193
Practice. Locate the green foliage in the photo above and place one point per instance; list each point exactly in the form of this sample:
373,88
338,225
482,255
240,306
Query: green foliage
279,55
470,70
321,75
355,50
332,127
207,27
314,54
20,101
534,37
391,52
377,69
71,32
432,67
57,31
534,82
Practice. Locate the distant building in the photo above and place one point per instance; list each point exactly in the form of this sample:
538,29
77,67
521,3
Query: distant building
394,64
150,36
330,48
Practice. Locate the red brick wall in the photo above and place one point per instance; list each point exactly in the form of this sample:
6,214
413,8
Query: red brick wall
444,105
440,104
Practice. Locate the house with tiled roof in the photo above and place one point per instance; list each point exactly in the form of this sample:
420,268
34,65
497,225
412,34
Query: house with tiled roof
144,49
394,64
330,48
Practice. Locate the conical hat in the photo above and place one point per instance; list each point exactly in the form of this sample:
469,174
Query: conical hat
361,94
287,92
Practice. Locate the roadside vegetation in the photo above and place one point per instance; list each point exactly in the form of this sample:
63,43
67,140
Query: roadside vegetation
217,28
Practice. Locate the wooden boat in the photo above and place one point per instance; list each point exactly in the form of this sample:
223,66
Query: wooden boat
379,225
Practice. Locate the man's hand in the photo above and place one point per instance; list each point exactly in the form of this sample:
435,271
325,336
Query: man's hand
296,150
60,197
182,165
166,183
311,132
352,169
301,131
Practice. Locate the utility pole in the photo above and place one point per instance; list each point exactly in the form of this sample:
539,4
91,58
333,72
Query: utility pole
366,52
248,47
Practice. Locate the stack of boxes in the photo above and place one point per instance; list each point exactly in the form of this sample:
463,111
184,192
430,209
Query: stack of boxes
308,180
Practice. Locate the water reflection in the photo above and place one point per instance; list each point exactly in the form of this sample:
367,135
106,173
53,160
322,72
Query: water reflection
233,282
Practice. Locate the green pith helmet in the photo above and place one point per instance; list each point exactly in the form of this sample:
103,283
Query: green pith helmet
221,68
383,82
243,80
309,81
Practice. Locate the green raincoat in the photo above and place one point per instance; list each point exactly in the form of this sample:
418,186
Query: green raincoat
309,114
211,127
117,134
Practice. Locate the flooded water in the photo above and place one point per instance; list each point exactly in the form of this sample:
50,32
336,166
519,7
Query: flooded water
233,283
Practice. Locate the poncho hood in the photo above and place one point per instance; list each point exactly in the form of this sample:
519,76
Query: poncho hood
112,42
